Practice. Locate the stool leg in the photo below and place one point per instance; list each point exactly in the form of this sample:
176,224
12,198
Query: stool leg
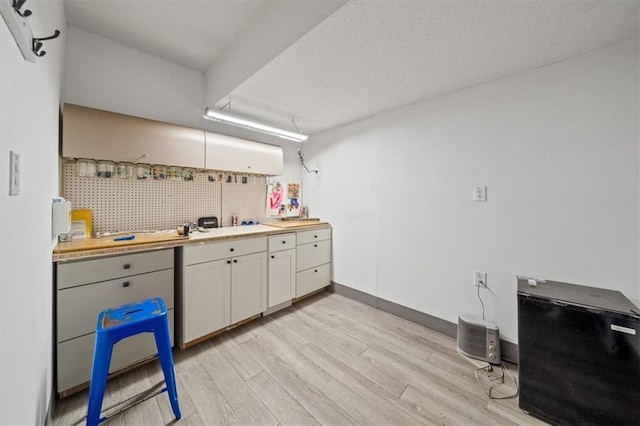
163,343
99,373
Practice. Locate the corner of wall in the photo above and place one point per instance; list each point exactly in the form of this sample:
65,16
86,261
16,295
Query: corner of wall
26,350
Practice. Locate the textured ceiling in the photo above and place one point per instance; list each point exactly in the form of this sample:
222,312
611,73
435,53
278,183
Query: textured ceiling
193,33
341,62
370,57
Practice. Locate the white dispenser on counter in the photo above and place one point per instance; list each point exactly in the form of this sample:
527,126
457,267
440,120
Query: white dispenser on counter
60,216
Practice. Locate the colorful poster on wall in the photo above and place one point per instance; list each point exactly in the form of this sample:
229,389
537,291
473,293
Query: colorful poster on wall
283,199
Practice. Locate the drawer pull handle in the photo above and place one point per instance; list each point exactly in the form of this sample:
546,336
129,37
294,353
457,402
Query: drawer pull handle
315,270
315,236
273,257
126,266
231,249
235,260
228,261
126,284
315,245
284,242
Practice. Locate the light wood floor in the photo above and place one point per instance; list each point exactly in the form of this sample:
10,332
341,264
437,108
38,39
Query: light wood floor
326,360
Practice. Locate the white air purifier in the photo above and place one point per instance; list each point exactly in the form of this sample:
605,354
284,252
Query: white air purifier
479,339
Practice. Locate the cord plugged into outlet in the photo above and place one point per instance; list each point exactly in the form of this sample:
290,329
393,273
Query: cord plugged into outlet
480,279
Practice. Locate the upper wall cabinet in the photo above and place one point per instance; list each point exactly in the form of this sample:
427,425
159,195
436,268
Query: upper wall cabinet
240,155
104,135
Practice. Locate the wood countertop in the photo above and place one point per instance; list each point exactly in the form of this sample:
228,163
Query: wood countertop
106,246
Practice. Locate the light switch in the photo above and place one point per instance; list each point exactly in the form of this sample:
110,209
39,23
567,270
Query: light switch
14,173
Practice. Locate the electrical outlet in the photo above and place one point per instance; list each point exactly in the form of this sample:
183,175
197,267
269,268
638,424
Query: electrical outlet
479,193
480,279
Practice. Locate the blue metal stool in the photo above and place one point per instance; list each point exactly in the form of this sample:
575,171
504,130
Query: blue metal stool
115,324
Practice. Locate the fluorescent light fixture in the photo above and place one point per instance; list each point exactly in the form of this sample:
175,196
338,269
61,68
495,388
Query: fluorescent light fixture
222,117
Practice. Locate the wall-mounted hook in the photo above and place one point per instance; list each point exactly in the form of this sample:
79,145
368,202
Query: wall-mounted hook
17,5
36,44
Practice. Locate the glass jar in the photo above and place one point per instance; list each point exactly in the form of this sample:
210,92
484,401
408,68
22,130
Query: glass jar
105,169
86,168
159,172
124,170
174,173
188,174
143,171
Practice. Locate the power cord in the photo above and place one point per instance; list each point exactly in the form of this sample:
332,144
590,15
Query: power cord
481,302
304,165
497,379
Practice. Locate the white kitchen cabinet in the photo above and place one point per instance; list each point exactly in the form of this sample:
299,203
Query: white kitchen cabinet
248,286
313,279
240,155
282,242
282,269
207,298
104,135
313,263
73,274
78,307
313,254
304,237
220,284
282,277
87,287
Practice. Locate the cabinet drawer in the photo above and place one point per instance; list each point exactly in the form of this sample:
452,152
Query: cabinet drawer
282,242
90,271
313,279
305,237
313,254
78,307
223,250
76,355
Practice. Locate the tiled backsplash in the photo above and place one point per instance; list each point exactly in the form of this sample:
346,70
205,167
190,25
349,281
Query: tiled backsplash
134,205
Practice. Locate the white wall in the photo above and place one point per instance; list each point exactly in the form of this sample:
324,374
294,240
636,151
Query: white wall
103,74
29,111
557,148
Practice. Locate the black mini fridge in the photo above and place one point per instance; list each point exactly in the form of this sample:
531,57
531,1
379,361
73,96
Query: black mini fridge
579,354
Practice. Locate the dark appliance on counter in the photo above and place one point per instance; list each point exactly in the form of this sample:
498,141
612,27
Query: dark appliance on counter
579,350
208,222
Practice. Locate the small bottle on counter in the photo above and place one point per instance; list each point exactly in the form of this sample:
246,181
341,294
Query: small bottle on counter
234,220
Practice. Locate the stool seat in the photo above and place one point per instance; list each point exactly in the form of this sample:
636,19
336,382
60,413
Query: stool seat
130,313
115,324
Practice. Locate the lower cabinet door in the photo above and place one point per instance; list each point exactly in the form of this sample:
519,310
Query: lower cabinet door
206,298
313,279
282,277
75,356
248,286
